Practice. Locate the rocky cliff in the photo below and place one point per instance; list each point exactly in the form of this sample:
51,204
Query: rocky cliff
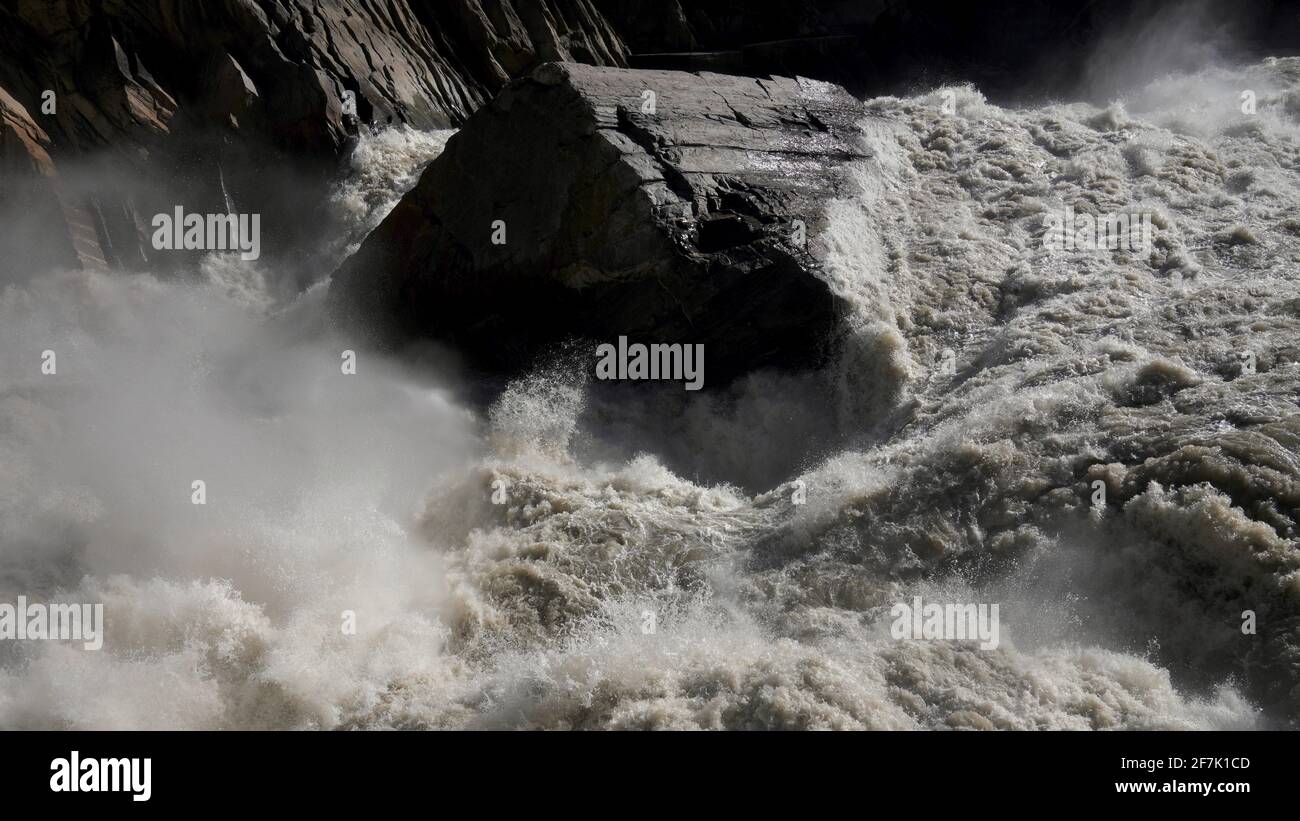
596,202
220,94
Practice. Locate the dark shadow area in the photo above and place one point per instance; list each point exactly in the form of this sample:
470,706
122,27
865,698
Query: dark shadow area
1015,51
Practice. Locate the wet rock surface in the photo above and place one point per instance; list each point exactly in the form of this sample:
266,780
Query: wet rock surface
664,206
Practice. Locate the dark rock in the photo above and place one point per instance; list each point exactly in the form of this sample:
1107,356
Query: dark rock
231,91
1011,50
671,226
207,98
33,198
24,146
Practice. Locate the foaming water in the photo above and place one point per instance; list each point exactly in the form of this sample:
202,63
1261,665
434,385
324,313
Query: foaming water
382,167
310,477
534,565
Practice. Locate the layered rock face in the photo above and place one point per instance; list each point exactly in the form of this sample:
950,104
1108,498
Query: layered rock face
221,92
30,178
593,202
121,65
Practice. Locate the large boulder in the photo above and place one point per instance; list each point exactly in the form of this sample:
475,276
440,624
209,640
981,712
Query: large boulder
662,206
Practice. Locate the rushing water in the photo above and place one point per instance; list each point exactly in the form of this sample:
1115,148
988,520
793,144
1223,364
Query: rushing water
373,493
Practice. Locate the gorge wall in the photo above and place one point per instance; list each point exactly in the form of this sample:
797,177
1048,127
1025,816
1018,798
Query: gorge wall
237,102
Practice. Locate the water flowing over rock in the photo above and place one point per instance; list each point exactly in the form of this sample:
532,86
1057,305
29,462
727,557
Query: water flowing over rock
594,202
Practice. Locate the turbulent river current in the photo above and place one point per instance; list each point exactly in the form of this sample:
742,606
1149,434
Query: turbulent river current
560,559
